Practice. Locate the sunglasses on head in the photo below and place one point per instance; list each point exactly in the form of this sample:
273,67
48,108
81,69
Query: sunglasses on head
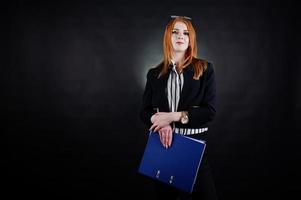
185,17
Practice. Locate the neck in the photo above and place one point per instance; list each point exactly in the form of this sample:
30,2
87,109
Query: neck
178,57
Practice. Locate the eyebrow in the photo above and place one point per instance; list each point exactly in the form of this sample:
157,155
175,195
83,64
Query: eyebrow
179,29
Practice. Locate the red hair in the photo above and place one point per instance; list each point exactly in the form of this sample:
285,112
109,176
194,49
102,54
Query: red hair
191,53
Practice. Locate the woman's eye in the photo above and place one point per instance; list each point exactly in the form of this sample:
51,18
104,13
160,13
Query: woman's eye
186,33
174,32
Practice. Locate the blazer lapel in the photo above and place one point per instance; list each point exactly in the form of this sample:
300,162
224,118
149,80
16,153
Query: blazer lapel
163,83
187,74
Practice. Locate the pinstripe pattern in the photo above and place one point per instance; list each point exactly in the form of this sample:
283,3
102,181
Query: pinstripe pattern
174,87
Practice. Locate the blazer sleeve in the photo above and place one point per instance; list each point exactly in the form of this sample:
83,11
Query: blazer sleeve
147,111
205,112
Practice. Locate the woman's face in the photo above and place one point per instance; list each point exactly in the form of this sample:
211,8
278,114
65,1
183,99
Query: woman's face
180,37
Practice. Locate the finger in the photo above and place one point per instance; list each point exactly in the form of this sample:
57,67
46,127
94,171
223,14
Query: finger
170,138
152,127
161,137
157,128
166,139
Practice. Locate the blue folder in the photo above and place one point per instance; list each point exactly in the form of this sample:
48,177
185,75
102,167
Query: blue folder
177,165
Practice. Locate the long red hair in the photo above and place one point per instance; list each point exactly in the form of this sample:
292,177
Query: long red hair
191,53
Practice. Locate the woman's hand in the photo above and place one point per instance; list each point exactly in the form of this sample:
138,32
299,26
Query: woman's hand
165,134
162,119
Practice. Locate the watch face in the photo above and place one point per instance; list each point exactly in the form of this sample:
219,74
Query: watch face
184,119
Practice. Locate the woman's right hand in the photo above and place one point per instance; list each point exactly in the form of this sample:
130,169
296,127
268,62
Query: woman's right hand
165,134
162,119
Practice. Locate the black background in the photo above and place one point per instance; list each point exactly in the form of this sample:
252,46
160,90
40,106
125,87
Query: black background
72,79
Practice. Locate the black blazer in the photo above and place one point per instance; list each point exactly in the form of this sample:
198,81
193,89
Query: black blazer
198,97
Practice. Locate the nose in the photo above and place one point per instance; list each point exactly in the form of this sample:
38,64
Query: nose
180,35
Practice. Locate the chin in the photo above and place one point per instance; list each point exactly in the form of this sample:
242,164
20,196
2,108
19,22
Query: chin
180,50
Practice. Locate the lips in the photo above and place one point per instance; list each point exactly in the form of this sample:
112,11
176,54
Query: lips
179,43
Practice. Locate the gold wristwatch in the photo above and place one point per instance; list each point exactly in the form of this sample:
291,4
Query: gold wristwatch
184,117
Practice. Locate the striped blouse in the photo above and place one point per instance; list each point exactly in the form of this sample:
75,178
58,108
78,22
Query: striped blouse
174,87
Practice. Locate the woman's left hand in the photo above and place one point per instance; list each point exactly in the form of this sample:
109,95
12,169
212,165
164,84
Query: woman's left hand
160,120
165,134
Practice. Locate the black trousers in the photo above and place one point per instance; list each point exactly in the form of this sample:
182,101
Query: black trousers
204,188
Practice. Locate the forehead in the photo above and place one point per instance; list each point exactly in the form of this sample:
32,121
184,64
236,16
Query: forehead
180,25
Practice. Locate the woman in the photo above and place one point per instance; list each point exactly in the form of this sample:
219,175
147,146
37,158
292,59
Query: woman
180,97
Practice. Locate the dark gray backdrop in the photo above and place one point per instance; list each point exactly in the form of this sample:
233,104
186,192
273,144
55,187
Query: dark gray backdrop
72,82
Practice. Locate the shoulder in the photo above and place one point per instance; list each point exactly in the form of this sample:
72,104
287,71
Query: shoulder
154,71
201,62
207,65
